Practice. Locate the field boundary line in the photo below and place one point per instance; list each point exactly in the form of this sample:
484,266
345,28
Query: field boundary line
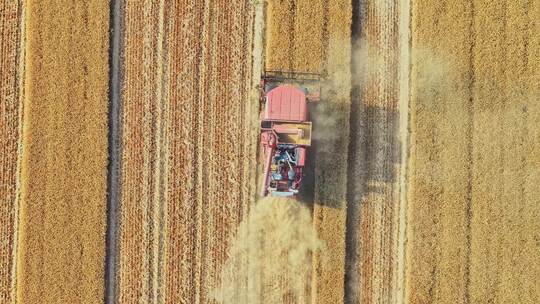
20,82
156,203
163,178
470,154
114,148
404,121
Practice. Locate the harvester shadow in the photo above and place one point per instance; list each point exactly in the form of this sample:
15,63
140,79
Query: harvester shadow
370,163
374,150
325,180
307,192
374,158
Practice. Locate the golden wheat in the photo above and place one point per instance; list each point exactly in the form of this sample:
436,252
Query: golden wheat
472,210
64,161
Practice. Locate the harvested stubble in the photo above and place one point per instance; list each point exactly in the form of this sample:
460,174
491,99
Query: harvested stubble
143,183
64,155
11,54
374,156
315,37
188,146
216,149
473,202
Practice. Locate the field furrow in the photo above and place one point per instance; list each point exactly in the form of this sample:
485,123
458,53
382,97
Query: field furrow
11,80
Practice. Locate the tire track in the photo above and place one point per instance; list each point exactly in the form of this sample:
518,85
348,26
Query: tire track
470,154
198,136
11,93
159,144
405,13
211,114
114,138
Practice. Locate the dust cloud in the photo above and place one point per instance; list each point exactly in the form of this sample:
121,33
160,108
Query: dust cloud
269,260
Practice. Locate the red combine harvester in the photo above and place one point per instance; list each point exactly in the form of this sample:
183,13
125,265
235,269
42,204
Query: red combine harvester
285,129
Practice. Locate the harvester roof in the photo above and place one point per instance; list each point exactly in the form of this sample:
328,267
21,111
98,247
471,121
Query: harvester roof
287,103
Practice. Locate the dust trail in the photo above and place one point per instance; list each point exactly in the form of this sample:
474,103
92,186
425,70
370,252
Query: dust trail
270,256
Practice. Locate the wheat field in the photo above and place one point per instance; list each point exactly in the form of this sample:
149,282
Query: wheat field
423,175
61,231
472,217
185,129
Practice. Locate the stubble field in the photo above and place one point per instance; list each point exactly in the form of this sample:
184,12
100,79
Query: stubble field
187,146
374,243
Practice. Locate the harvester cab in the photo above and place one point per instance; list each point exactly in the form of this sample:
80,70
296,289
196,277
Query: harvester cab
285,131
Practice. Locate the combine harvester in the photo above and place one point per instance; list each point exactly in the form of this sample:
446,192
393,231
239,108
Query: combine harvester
285,130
